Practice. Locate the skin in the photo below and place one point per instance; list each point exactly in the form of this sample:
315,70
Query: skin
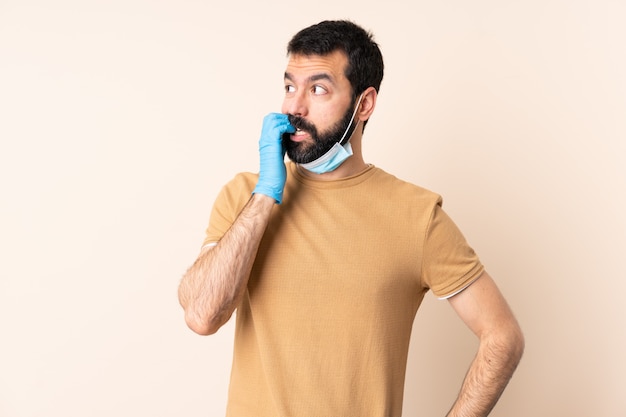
484,310
213,286
317,89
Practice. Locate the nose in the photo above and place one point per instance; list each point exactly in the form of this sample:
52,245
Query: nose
296,104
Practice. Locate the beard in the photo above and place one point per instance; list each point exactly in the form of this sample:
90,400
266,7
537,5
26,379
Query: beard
304,152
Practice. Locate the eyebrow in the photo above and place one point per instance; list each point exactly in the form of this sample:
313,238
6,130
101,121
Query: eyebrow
313,78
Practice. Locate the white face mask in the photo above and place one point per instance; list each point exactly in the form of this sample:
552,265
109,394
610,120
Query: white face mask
337,154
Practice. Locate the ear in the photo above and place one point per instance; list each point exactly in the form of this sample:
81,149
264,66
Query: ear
368,103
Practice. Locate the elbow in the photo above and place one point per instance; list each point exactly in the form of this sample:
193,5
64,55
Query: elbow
515,344
201,325
198,322
520,344
507,344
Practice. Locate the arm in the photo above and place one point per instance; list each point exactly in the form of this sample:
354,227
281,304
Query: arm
213,286
483,309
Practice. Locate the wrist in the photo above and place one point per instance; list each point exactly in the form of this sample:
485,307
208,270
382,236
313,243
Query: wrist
263,199
269,194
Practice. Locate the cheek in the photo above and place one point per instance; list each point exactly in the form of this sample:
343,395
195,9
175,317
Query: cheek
327,119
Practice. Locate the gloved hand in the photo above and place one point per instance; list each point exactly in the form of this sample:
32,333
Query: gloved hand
273,174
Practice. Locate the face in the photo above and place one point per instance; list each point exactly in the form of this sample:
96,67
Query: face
303,152
319,102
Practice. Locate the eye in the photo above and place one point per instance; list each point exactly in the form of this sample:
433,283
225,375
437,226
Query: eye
318,90
289,88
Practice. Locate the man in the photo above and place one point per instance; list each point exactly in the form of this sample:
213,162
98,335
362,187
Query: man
327,259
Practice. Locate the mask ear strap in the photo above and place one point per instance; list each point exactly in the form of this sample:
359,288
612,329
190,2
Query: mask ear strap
341,141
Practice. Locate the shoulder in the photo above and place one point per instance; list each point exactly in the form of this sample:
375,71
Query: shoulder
400,190
241,183
236,192
243,180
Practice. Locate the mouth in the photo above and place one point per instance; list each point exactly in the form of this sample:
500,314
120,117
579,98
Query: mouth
305,131
299,135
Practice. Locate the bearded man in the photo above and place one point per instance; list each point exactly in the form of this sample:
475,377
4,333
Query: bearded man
326,258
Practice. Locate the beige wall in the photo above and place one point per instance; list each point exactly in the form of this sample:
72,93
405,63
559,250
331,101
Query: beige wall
120,120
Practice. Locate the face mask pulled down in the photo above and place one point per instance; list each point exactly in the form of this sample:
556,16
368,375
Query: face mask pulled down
336,155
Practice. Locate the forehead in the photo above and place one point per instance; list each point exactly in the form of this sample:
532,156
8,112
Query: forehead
304,66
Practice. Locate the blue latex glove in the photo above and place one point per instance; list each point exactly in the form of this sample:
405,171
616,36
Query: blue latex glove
273,174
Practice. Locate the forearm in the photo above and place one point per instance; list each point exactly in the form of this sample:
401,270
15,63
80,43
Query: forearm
212,287
488,375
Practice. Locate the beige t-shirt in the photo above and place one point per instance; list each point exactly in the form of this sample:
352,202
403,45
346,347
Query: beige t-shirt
324,327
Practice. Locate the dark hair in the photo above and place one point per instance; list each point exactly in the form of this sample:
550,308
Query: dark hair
365,61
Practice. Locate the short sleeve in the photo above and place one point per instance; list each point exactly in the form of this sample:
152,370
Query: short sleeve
231,199
449,263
